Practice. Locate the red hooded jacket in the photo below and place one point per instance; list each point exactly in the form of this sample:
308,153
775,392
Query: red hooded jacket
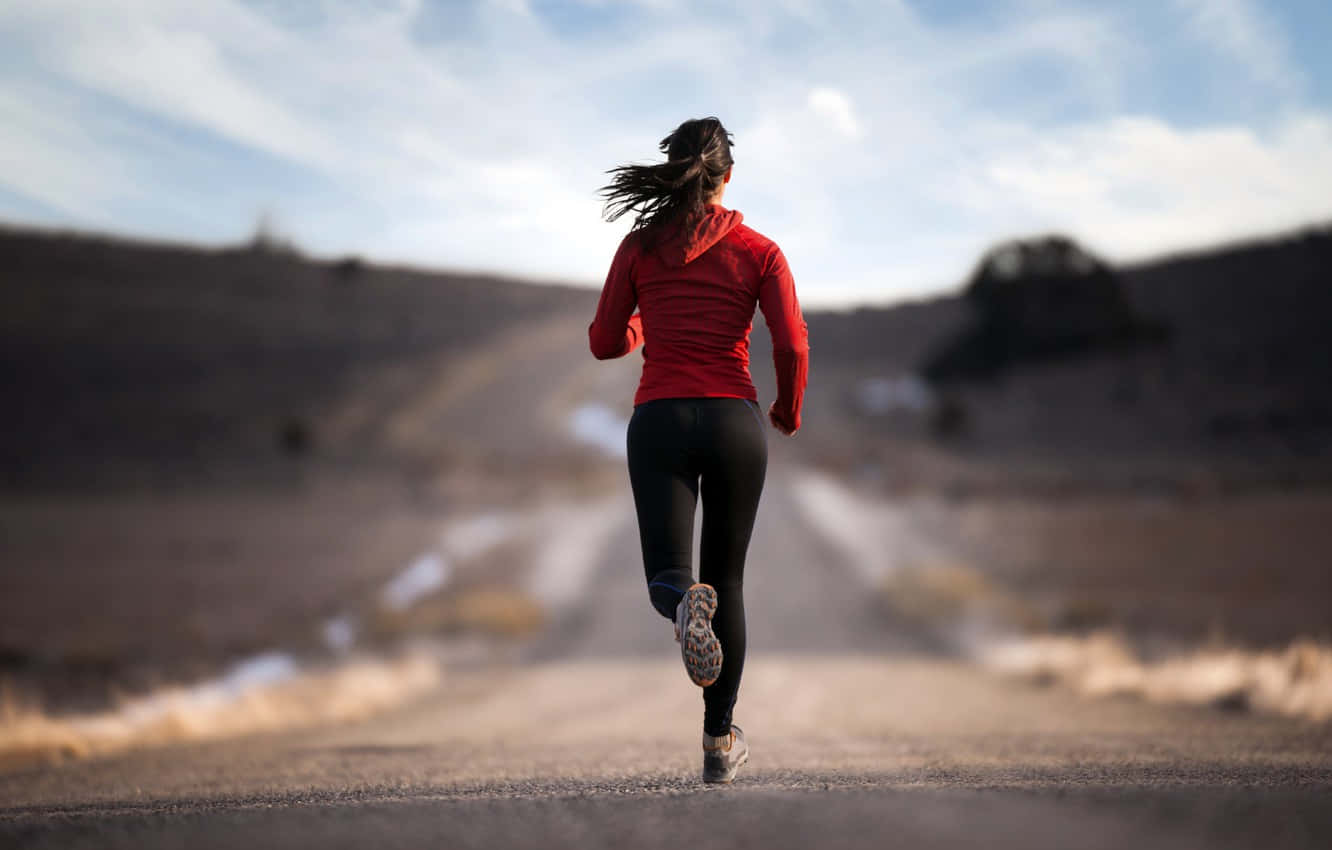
695,293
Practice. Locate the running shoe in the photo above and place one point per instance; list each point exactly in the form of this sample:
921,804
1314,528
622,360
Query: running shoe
723,756
699,646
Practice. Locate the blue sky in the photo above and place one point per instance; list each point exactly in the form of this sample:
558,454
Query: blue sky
884,145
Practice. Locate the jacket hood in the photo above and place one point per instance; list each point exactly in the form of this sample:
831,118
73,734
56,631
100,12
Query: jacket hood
684,247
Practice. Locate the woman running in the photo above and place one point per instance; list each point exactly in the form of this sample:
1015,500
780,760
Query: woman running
695,274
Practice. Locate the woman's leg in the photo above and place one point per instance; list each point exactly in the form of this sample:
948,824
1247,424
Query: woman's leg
733,461
665,489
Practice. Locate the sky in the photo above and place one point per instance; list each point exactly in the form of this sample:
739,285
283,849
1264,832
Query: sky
884,145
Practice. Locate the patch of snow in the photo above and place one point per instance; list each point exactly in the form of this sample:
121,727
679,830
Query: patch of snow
598,425
575,538
257,672
876,537
339,633
473,536
880,396
428,573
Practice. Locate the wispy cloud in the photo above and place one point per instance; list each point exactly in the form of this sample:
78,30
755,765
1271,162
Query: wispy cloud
834,107
476,134
1243,31
1142,186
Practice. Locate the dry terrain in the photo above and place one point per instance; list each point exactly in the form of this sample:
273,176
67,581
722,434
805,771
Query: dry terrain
862,731
298,551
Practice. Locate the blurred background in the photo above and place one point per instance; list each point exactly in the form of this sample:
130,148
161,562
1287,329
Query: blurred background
299,410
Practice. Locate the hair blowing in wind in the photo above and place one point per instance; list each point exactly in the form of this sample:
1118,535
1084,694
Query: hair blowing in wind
698,155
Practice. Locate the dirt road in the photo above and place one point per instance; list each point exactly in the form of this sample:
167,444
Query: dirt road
863,733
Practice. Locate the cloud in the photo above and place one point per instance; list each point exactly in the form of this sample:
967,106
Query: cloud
883,145
1243,31
835,107
187,63
1134,186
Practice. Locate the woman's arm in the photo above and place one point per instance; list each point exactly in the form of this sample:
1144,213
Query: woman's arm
617,330
790,340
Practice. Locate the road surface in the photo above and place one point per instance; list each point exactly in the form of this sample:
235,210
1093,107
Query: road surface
864,734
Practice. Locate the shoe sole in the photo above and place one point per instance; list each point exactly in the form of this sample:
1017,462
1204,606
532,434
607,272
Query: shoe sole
729,776
699,646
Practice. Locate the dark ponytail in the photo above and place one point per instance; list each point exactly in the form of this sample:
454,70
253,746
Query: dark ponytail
698,155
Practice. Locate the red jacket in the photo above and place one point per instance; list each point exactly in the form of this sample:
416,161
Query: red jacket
695,293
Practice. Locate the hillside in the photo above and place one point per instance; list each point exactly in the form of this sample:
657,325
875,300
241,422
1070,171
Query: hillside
131,363
1238,386
209,453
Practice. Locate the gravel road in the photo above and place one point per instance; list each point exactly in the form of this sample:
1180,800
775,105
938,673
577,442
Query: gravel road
864,733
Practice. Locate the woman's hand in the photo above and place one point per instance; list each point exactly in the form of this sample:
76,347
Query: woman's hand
781,424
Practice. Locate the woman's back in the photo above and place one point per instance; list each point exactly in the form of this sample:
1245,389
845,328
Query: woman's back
696,290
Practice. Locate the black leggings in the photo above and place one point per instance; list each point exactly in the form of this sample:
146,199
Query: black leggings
677,447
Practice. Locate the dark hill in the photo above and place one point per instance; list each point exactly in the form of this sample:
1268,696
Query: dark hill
1039,300
1236,380
131,362
158,361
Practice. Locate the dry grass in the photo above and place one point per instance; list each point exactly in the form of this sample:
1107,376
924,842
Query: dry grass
1295,681
944,593
1251,565
1005,633
348,692
494,611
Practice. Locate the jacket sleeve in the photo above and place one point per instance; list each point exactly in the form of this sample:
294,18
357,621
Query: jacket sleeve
617,330
790,336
